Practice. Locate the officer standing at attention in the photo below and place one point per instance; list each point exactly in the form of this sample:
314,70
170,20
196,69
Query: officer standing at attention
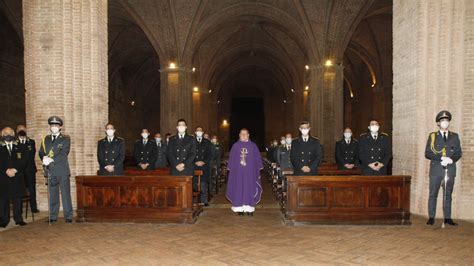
160,152
29,146
306,153
283,154
53,152
347,151
375,150
111,153
13,159
203,162
145,151
443,149
181,151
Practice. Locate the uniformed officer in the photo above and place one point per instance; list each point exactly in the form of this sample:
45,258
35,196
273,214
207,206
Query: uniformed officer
54,152
29,146
161,160
271,151
145,151
202,162
306,153
347,156
13,159
283,154
181,151
217,153
111,153
443,148
375,150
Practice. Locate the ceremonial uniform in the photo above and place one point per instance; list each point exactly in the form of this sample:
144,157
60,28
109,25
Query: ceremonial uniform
111,151
145,152
378,149
12,188
182,149
283,157
161,160
305,153
442,144
29,146
204,154
347,153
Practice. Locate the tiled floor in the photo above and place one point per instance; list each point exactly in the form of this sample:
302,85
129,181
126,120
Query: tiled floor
221,237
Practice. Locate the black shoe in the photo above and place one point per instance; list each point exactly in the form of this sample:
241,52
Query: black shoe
249,213
3,225
69,221
450,222
35,211
21,223
206,205
430,221
241,213
51,221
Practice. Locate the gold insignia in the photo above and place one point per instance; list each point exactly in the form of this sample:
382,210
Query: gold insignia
18,155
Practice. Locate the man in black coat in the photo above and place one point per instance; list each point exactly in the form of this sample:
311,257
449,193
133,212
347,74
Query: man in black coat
29,146
145,151
202,162
375,150
13,159
161,160
181,151
347,151
306,153
111,153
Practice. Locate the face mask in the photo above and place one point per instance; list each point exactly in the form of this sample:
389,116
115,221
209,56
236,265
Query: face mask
288,141
214,141
22,133
347,135
282,142
305,131
110,132
181,129
145,135
8,138
444,124
199,134
374,129
54,130
275,143
158,139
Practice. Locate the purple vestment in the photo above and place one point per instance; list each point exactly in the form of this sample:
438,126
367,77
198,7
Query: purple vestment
243,185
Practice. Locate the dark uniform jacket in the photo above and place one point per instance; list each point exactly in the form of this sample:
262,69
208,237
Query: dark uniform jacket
347,153
145,153
371,150
204,153
305,154
161,160
433,152
283,158
59,151
30,148
271,154
12,187
111,153
182,151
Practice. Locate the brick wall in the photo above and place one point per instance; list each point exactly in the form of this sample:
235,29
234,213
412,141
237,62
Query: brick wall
433,70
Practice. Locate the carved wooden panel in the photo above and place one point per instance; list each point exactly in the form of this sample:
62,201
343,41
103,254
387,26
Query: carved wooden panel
348,197
312,197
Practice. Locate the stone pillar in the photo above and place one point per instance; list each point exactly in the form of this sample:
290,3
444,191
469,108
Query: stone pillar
433,62
66,75
175,99
326,104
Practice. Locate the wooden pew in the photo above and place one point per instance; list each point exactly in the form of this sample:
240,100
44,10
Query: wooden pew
135,198
348,200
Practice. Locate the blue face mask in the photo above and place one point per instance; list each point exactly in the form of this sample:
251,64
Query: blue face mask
8,138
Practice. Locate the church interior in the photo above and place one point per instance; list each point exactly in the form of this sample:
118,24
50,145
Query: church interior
224,65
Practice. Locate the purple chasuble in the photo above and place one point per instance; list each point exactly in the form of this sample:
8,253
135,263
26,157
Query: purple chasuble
243,185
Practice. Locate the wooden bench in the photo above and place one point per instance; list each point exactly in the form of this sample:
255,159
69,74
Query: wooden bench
348,200
135,198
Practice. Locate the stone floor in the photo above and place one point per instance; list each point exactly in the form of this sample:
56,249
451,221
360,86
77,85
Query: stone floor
221,237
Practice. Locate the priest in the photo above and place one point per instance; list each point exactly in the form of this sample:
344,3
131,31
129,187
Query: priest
244,189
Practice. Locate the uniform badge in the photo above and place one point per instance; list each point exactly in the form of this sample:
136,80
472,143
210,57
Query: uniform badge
18,155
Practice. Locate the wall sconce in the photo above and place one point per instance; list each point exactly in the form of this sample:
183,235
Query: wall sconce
194,69
210,91
328,63
132,103
225,123
172,65
284,101
306,67
196,89
306,88
293,90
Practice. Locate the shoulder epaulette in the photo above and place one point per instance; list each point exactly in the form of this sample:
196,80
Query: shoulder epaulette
365,133
2,143
119,138
383,133
315,137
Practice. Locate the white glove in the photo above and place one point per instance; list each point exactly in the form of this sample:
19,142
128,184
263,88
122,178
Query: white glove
448,160
444,163
47,160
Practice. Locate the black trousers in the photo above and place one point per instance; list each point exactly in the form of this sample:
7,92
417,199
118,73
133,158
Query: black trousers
5,210
30,180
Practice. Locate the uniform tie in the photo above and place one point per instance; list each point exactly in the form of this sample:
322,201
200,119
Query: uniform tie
375,137
445,137
54,138
9,147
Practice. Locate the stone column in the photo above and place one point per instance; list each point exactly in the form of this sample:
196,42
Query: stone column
66,75
175,99
326,104
433,62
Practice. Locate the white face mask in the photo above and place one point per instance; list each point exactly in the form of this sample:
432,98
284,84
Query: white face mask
288,141
110,132
214,141
199,134
347,135
304,131
54,130
158,139
145,135
275,143
374,129
181,129
444,124
282,142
